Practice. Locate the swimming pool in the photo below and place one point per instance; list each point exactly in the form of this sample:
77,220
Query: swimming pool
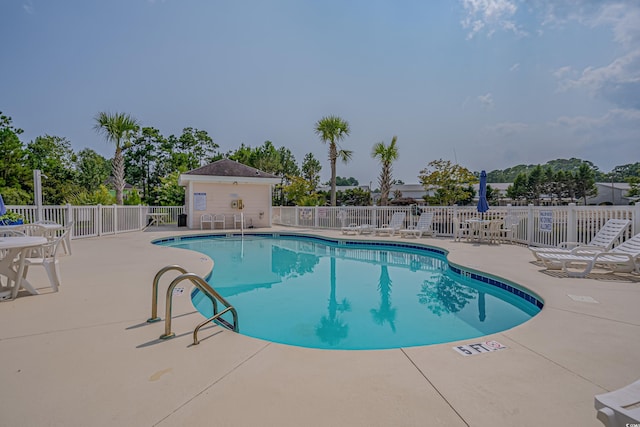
334,294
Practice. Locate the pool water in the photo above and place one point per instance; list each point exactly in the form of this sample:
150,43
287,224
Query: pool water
317,293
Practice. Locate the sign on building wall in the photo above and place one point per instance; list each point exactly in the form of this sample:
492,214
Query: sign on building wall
546,221
200,201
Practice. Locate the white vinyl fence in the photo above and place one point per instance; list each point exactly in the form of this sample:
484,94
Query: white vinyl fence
91,221
560,223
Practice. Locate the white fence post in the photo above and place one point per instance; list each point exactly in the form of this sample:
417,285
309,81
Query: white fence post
316,221
374,215
572,223
530,226
115,218
297,215
99,215
635,223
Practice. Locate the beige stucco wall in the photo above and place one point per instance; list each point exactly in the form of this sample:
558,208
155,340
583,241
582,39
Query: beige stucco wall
256,199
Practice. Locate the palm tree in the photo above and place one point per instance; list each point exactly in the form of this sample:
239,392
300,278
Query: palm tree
333,129
386,155
117,128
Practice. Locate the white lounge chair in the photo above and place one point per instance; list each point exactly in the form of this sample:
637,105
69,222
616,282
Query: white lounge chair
623,258
397,219
357,229
423,226
602,241
619,407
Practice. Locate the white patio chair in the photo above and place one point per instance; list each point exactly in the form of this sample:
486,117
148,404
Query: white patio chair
624,258
206,219
423,226
460,229
394,225
602,241
218,219
238,221
47,259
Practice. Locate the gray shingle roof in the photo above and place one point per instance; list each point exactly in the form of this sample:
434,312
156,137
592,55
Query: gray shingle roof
226,167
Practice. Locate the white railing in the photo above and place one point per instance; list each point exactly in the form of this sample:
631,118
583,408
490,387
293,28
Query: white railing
99,220
569,223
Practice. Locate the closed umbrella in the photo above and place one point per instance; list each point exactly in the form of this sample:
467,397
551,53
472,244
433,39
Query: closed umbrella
3,208
483,206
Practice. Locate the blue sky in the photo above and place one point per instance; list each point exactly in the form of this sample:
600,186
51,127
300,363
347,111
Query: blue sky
488,84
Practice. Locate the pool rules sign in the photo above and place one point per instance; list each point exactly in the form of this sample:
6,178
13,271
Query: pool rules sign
479,348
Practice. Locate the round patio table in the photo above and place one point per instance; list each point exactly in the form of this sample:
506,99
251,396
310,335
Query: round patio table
13,251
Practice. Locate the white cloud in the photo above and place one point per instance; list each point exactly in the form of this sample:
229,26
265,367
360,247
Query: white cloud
515,67
630,118
28,7
508,128
486,100
491,15
618,82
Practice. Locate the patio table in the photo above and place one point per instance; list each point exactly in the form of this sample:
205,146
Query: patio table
156,218
14,250
478,227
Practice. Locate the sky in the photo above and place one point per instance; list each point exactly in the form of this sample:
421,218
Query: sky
487,84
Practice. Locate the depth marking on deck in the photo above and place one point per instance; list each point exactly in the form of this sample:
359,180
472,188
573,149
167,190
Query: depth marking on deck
479,348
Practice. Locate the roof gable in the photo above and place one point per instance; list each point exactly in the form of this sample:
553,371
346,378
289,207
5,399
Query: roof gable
230,168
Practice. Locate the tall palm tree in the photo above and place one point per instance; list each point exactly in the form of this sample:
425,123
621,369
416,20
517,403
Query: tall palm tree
117,128
333,129
386,154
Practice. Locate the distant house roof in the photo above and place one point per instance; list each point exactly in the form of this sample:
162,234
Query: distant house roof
226,170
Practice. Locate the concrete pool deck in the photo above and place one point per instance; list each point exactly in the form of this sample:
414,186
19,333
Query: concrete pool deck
86,357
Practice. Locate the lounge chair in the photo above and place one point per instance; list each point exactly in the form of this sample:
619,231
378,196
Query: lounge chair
422,226
357,229
394,225
602,241
619,407
623,258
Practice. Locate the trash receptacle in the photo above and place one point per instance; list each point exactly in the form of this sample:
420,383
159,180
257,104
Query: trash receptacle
182,220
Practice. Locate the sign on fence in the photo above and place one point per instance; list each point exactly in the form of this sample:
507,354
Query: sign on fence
546,221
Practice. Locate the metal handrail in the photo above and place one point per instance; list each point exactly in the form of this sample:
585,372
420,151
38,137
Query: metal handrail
154,293
210,293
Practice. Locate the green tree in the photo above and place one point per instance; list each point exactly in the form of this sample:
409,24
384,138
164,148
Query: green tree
311,170
585,182
170,193
92,169
141,161
332,130
634,186
345,182
301,192
118,129
450,181
386,154
54,157
13,172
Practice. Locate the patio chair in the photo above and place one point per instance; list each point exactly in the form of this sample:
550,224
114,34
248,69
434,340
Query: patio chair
395,224
619,407
206,219
624,258
48,259
508,228
238,221
423,226
218,219
602,241
460,229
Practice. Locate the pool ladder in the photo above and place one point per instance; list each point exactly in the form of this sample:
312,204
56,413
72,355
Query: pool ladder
204,287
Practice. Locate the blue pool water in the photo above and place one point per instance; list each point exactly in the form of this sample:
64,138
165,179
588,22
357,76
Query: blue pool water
319,293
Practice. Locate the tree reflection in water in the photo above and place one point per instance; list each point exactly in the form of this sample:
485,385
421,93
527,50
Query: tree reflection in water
384,313
331,328
445,295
